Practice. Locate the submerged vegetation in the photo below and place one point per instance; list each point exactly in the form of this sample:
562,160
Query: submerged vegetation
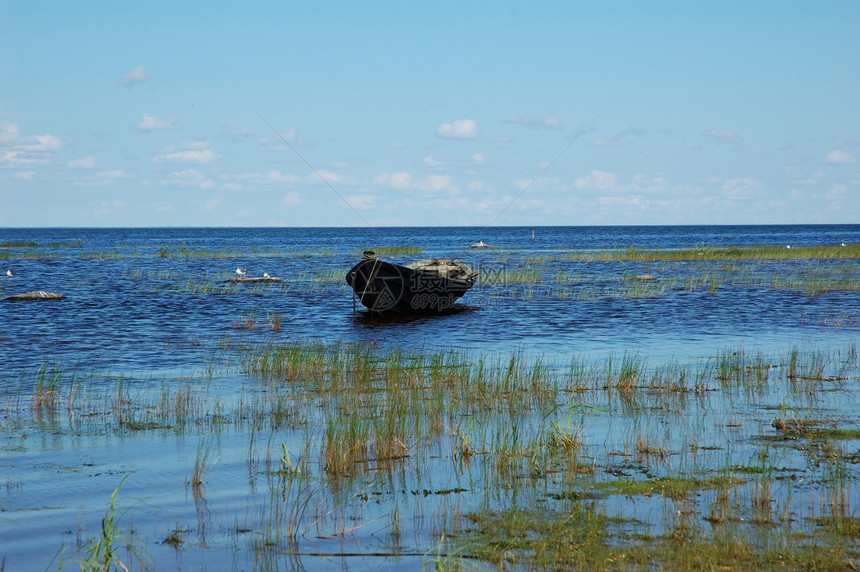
742,461
32,244
394,250
707,252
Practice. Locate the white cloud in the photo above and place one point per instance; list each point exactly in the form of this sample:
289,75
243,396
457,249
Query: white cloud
83,163
189,175
278,177
234,130
537,183
137,75
399,180
405,181
44,143
211,204
627,201
793,171
25,151
727,137
493,204
458,129
547,122
438,183
802,179
479,158
362,201
327,176
240,181
25,175
289,135
190,156
840,158
195,145
432,162
741,188
596,180
189,178
649,181
15,159
9,132
837,191
277,143
552,122
625,137
291,199
114,174
152,122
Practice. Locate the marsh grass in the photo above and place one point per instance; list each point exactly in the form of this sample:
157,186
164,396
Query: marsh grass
31,244
642,274
708,252
203,463
48,384
103,552
394,249
545,464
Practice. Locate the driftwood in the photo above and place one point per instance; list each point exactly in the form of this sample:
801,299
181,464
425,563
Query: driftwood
262,279
34,296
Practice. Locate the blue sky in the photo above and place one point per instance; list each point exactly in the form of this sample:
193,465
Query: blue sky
428,113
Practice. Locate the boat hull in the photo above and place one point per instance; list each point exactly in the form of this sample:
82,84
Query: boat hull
386,288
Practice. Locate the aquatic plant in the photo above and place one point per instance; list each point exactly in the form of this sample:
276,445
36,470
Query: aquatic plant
706,252
539,459
31,244
395,249
103,551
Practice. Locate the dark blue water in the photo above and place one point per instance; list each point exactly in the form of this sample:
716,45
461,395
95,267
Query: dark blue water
138,300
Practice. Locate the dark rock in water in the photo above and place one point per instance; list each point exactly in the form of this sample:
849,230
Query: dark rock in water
34,296
644,278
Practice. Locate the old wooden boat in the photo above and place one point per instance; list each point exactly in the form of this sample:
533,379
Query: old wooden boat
431,285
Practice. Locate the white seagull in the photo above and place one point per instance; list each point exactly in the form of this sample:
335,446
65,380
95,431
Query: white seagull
10,274
240,272
266,275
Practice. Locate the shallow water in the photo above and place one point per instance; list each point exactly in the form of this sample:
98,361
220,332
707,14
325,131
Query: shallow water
153,305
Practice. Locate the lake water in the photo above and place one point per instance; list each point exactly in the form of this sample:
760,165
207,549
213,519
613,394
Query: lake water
131,310
154,304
